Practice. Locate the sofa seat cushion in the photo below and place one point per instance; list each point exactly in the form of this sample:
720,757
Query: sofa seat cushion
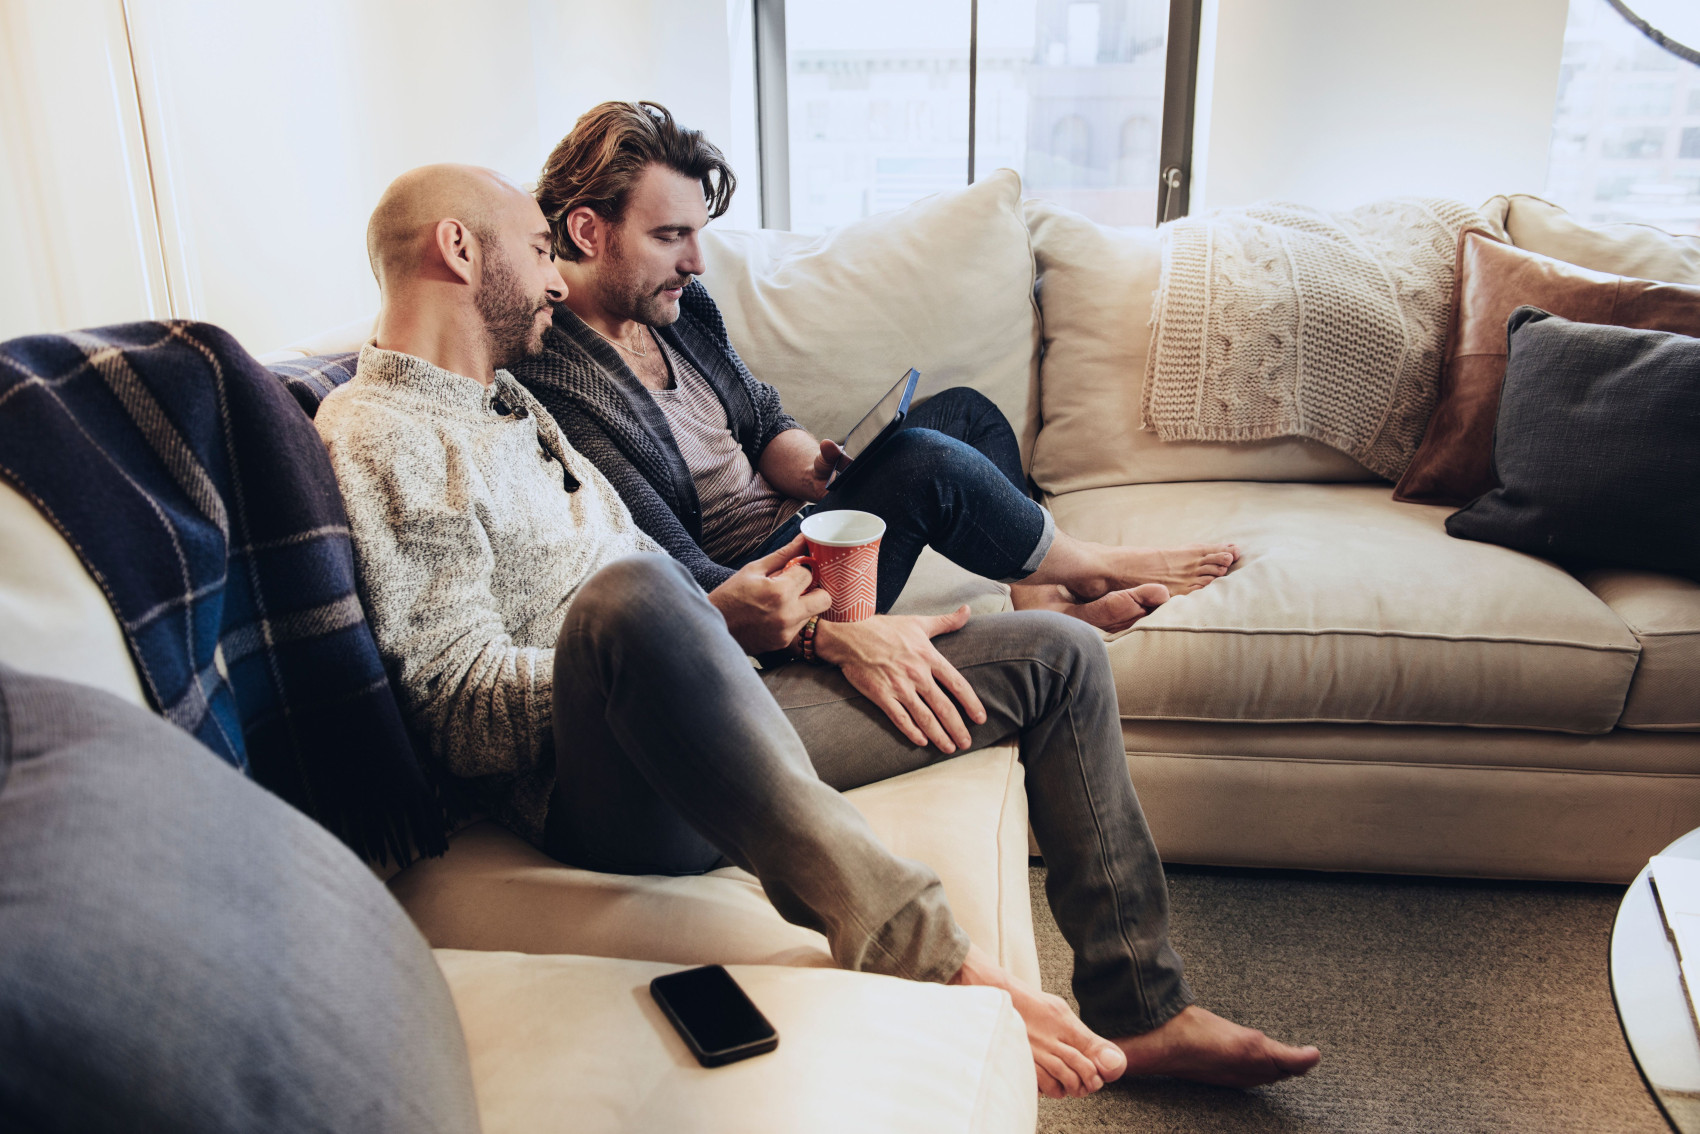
1349,607
966,818
938,586
577,1043
1663,612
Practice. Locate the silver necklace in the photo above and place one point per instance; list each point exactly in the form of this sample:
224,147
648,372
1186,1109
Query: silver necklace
616,342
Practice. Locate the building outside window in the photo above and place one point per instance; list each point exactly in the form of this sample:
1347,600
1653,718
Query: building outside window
1626,134
1069,94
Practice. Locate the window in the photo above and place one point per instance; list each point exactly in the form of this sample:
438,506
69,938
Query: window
886,101
1089,78
1640,143
1643,99
877,101
1627,123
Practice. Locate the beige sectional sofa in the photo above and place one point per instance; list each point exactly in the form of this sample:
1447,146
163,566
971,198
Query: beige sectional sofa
1362,692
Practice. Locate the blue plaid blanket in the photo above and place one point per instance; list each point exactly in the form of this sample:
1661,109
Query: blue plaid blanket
199,496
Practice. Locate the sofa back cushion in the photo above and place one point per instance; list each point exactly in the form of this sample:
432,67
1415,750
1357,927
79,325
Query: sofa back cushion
1638,250
945,286
1330,617
1096,286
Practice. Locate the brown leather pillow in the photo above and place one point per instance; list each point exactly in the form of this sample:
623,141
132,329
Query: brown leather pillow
1454,463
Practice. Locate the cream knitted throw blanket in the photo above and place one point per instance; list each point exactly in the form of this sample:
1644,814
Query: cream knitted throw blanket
1277,320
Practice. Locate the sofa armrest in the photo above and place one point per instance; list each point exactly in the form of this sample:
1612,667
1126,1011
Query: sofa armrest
577,1043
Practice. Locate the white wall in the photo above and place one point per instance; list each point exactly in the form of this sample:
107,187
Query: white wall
74,200
692,56
275,127
1336,102
272,129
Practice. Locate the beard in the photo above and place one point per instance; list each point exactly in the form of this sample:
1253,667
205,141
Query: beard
509,313
630,296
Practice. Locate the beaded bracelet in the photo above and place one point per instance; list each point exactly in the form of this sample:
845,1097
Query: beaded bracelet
806,640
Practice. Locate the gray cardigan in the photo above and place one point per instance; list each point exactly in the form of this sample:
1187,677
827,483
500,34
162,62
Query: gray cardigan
609,416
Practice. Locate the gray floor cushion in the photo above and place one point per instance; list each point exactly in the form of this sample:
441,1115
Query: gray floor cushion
182,951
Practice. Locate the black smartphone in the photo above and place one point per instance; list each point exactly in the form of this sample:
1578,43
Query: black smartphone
718,1022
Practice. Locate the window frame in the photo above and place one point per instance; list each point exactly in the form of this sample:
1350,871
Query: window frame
1180,102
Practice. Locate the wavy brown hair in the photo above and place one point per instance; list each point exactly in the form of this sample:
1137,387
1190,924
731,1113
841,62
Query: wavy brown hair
610,146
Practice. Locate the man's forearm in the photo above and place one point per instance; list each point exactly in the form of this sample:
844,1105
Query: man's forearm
788,464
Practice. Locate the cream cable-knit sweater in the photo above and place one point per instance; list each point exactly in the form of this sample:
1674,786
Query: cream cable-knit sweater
1279,320
469,549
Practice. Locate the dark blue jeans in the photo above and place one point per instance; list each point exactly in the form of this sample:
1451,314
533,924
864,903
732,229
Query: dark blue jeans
950,479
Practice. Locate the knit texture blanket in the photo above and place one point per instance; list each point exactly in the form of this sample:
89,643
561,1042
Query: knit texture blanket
200,498
1277,320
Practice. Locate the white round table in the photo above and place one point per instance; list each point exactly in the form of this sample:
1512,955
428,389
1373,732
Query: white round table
1652,1006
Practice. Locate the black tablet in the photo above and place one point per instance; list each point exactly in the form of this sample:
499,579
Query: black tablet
877,425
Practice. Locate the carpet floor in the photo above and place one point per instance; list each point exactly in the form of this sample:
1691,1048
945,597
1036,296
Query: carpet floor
1439,1005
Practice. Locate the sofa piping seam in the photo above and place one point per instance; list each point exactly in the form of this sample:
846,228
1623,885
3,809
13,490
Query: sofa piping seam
1161,717
1545,770
1354,632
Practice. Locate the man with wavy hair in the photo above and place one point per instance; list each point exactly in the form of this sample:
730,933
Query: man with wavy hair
704,453
637,371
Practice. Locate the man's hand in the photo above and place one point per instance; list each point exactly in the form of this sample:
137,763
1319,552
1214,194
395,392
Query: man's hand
830,460
764,613
893,662
798,465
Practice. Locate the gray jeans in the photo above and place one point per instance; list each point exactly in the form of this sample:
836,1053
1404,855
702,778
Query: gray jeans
674,754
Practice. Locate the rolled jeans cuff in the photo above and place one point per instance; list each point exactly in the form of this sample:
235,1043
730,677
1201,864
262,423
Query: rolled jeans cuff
1118,1025
1047,536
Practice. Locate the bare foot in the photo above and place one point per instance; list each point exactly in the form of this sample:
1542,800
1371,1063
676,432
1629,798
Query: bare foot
1112,613
1181,569
1068,1057
1202,1046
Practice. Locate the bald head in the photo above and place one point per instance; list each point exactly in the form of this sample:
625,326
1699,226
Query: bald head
463,253
402,232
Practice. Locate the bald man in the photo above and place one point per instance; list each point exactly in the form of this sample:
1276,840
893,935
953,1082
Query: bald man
604,707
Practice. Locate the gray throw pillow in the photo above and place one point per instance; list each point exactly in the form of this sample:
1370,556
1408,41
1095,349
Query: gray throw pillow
182,951
1597,448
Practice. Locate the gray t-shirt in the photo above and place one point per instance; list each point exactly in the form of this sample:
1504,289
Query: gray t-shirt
739,508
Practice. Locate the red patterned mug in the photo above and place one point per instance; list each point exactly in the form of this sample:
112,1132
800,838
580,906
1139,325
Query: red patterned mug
844,554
